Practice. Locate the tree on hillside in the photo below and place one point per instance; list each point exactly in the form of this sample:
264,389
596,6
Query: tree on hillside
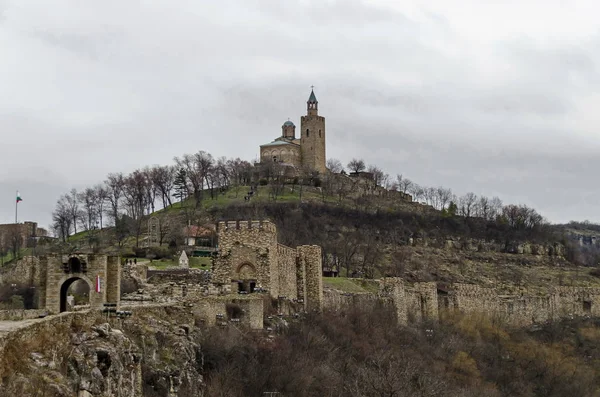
163,178
180,185
89,208
61,219
378,175
150,189
101,196
356,165
196,166
521,217
238,173
72,201
114,188
466,204
404,184
136,200
335,166
15,241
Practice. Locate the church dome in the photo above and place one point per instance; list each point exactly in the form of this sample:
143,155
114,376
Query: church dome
288,123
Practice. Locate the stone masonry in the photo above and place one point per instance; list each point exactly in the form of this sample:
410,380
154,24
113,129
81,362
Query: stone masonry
62,270
250,258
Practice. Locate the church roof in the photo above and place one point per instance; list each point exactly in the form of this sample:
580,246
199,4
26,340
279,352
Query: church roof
279,143
312,97
288,123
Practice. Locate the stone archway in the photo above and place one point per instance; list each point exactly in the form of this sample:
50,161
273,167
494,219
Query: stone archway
245,276
64,289
101,273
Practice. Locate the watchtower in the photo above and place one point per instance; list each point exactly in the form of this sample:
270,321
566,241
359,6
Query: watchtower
312,136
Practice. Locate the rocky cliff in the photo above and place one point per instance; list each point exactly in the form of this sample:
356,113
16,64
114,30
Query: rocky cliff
155,352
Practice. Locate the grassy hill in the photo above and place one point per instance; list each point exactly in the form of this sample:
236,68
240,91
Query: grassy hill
370,237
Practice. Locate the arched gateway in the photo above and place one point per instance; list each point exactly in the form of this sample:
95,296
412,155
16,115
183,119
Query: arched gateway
101,273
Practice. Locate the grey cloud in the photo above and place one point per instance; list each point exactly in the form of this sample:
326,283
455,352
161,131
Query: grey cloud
115,86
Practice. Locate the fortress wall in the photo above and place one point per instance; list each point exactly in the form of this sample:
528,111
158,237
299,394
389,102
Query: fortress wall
24,271
474,298
301,279
312,257
337,301
253,242
577,301
286,269
253,312
112,282
393,288
526,310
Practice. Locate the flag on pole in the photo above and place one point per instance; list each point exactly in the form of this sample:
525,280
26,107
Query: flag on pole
19,197
98,289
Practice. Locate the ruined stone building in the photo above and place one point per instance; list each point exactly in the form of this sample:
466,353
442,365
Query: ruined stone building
250,260
305,152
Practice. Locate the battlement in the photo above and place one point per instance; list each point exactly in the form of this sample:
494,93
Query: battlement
261,225
472,290
284,250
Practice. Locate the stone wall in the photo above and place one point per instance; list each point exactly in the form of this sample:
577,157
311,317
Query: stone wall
479,245
21,314
24,271
213,310
247,249
286,270
311,259
419,301
393,288
107,268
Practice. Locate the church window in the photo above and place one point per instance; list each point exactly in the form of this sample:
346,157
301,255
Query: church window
274,159
319,133
307,133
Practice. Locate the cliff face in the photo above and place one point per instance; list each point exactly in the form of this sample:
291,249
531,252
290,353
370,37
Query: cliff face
154,353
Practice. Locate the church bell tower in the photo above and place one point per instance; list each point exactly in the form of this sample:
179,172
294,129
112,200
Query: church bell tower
312,136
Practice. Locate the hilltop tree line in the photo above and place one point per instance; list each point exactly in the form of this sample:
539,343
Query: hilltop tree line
123,200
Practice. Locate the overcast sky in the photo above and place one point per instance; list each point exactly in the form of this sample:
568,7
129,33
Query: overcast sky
498,100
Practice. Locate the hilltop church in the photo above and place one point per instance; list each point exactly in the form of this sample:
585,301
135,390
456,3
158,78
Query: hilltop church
306,152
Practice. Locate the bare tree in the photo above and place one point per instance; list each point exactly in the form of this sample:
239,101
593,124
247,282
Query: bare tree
101,197
135,195
404,184
163,179
197,167
335,166
444,197
356,165
378,175
115,184
466,204
72,199
89,212
61,218
417,192
151,190
495,208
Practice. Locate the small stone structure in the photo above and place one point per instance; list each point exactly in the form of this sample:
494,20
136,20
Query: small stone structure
251,260
183,260
52,275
